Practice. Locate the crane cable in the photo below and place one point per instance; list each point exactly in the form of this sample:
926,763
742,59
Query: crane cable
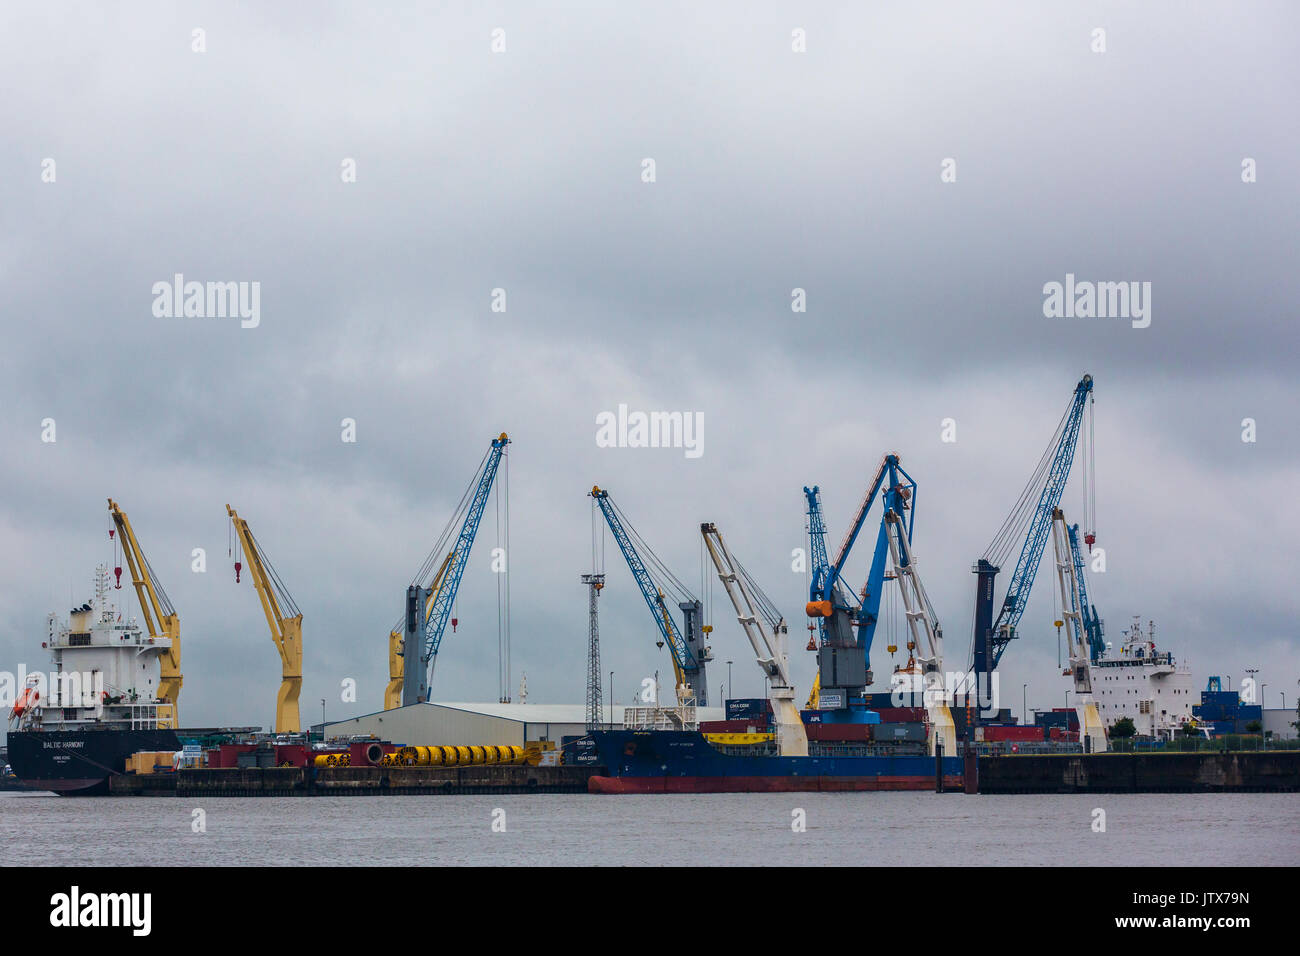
445,537
503,581
1017,521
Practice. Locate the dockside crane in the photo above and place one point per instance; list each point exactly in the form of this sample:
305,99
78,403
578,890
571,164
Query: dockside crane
847,626
766,629
414,642
1030,518
1091,729
160,618
282,617
687,647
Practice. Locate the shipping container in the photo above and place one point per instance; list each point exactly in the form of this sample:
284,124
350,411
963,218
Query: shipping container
899,732
839,732
901,715
1031,733
748,707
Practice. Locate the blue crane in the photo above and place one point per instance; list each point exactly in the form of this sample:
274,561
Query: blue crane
1032,517
428,608
846,627
1092,624
688,651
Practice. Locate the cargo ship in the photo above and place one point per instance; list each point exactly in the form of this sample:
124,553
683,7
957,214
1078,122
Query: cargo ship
849,750
73,728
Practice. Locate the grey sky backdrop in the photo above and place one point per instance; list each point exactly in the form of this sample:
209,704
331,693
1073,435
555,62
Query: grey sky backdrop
521,170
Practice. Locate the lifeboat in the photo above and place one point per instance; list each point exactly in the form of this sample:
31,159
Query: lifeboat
25,701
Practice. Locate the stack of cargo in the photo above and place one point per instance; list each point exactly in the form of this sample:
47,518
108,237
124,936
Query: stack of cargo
1224,713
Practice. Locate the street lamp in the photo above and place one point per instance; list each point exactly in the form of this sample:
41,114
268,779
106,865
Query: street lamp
724,702
322,720
1024,706
611,699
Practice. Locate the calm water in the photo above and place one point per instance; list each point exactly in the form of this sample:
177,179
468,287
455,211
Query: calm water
863,829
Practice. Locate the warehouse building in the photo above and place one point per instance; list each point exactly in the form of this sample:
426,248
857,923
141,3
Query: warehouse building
1280,723
459,724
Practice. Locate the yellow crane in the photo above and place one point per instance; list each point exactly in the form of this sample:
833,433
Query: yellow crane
286,629
396,642
160,617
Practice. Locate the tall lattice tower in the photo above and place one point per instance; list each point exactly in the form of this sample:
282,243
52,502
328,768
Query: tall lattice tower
594,583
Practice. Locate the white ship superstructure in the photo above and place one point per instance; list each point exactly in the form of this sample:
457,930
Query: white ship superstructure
1144,684
104,672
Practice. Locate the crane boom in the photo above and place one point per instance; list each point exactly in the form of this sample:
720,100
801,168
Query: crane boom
1091,728
432,605
688,653
285,622
160,617
992,636
766,630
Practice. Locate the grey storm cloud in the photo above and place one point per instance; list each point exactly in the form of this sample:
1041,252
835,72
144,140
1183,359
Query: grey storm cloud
521,170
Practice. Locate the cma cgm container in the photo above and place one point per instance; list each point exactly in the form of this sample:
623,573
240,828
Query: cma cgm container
748,707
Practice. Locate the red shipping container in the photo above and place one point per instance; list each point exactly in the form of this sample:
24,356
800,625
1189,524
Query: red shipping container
1018,733
838,732
901,715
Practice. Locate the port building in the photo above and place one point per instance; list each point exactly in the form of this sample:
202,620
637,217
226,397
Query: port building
457,724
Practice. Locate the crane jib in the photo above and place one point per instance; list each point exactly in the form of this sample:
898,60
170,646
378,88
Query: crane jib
441,610
1031,553
682,655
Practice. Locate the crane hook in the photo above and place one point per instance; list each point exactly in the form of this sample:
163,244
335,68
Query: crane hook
238,567
454,622
118,571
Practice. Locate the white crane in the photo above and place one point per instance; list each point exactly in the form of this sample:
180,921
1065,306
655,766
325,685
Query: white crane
766,630
1091,729
925,643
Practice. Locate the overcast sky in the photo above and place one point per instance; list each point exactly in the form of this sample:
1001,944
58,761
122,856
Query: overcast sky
522,170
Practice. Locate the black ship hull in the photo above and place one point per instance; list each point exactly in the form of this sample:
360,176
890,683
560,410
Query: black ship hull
79,761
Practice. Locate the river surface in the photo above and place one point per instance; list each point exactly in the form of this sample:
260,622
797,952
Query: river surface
867,829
